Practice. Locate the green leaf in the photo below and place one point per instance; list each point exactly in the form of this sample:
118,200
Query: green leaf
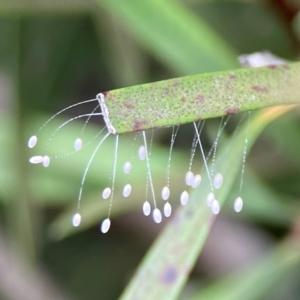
30,7
192,98
174,34
257,280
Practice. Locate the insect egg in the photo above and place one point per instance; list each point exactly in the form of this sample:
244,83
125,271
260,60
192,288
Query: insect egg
165,193
157,215
146,208
36,159
238,204
32,141
76,220
127,190
184,198
167,209
105,225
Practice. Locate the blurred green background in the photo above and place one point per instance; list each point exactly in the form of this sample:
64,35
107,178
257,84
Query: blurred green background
57,53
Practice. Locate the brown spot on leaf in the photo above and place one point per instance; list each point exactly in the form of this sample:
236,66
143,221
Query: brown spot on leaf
260,89
232,110
129,105
176,82
183,99
272,67
139,125
200,98
166,91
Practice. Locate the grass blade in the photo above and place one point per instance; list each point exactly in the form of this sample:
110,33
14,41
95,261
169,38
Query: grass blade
192,98
174,34
256,281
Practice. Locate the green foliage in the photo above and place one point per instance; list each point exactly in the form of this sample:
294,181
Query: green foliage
56,54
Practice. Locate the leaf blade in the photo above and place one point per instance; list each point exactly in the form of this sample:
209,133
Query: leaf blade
174,34
192,98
